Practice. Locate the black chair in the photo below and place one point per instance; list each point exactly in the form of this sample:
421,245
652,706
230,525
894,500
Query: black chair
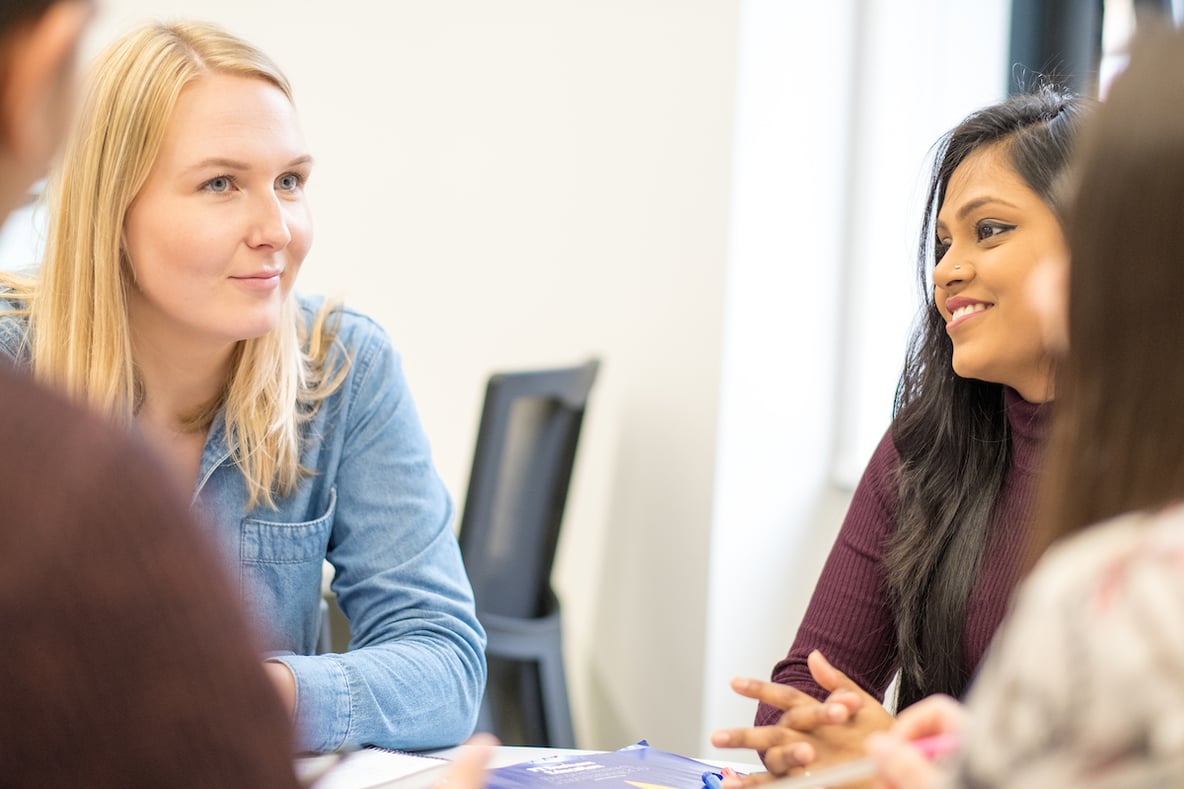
522,464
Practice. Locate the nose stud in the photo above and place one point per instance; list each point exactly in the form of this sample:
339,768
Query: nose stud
957,267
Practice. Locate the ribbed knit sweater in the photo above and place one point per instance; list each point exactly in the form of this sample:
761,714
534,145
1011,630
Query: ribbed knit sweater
849,617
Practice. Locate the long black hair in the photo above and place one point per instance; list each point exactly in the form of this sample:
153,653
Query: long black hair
952,432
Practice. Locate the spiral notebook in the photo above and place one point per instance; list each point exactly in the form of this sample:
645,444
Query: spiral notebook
370,768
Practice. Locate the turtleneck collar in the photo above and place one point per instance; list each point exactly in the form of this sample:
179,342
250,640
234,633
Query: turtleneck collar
1029,428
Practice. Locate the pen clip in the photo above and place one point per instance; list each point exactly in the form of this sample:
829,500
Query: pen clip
713,780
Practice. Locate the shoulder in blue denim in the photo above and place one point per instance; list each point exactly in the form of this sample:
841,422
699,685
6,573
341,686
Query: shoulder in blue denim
360,336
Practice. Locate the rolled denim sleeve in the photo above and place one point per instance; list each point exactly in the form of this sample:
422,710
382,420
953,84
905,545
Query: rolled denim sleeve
415,672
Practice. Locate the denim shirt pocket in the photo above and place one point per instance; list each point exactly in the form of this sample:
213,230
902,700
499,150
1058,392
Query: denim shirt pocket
282,566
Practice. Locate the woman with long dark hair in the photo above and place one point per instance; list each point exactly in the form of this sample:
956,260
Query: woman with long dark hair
1085,684
932,545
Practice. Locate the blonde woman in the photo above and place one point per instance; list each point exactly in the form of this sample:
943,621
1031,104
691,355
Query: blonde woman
165,302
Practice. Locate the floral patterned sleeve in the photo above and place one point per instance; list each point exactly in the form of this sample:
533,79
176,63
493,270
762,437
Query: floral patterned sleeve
1084,686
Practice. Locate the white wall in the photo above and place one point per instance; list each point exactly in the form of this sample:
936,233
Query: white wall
775,507
667,184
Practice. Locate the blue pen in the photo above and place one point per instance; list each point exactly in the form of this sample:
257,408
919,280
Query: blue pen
713,780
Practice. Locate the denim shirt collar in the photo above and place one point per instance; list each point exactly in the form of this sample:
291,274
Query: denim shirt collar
215,452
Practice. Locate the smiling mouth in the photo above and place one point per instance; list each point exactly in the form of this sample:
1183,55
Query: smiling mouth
260,283
968,309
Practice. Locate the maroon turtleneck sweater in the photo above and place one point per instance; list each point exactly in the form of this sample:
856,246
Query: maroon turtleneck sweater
849,618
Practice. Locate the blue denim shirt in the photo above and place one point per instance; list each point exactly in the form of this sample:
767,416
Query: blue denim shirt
375,507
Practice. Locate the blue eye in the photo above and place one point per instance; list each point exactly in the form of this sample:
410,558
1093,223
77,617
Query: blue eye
220,184
289,182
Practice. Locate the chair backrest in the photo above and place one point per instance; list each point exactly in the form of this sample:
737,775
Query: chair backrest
522,464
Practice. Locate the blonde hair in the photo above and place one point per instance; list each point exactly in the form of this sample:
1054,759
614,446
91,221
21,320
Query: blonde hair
80,341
